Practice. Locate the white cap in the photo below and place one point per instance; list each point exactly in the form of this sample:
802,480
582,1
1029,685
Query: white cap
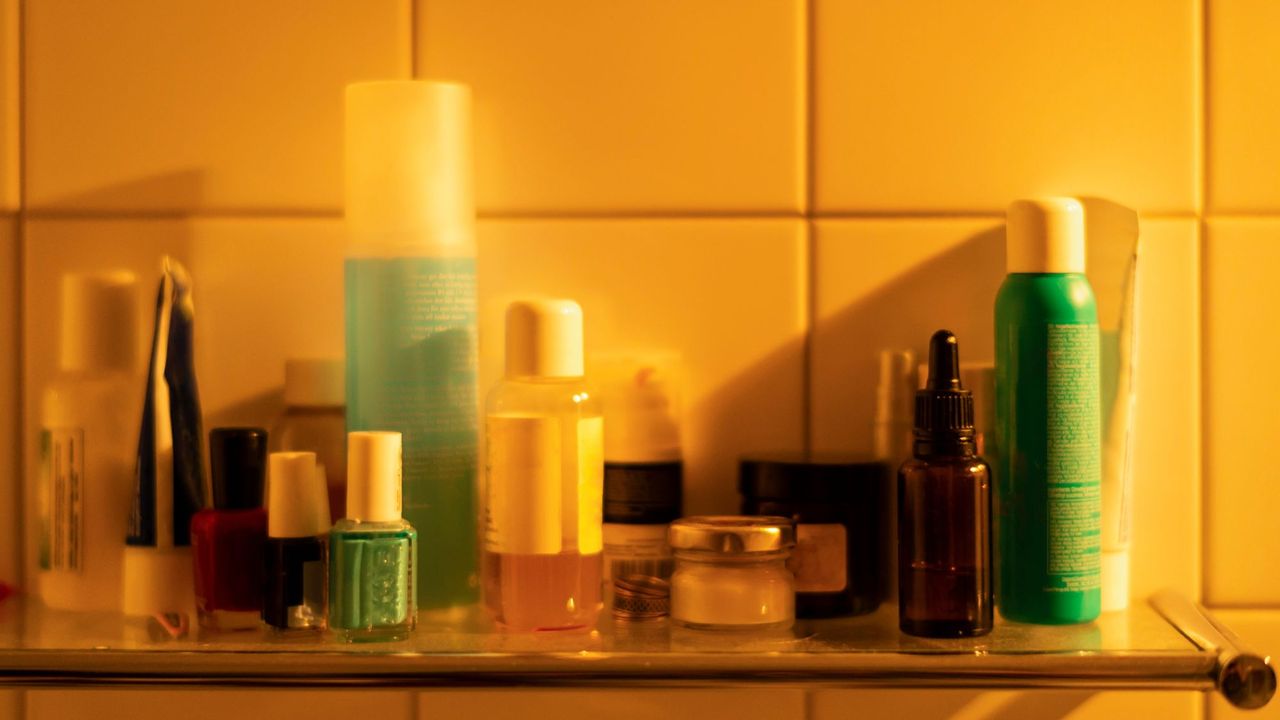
1115,580
408,164
1045,236
544,339
641,407
315,382
373,476
297,500
99,321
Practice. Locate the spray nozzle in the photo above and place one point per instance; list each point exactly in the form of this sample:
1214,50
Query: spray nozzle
944,362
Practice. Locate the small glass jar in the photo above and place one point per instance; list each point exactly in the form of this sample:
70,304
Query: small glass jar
731,573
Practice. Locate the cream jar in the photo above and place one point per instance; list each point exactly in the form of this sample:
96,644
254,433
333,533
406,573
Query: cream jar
731,572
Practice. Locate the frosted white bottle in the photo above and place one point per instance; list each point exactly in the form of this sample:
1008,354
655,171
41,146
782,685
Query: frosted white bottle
88,431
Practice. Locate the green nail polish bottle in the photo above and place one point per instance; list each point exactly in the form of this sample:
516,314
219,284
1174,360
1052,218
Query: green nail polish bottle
373,551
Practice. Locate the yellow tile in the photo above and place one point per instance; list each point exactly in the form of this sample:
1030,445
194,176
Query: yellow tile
728,295
264,290
10,521
965,106
133,106
1244,106
758,704
891,283
1166,545
1003,705
627,106
1259,630
10,49
217,704
1241,495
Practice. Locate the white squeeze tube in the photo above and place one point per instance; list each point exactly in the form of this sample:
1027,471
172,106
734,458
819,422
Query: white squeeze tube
1113,248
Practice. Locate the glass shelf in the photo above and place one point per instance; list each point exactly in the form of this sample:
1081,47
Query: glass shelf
1167,644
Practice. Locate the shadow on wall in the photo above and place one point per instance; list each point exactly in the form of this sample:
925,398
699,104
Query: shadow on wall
736,424
170,192
955,289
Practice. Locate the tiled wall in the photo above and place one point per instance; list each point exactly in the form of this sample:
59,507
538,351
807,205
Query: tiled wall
775,188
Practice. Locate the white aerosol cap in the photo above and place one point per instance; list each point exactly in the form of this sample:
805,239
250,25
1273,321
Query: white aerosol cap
373,476
1045,236
544,339
297,499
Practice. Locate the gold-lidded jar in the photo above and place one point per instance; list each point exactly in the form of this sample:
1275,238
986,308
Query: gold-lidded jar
731,572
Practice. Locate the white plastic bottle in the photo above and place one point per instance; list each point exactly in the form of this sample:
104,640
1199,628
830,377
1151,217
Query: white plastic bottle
643,468
88,426
544,455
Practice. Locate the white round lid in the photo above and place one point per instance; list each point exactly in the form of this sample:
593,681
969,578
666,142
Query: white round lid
297,500
544,339
373,476
1045,236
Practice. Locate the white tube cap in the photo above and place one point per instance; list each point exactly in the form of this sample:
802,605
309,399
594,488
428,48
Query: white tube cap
315,382
99,321
1045,236
408,164
544,339
298,501
1115,580
373,476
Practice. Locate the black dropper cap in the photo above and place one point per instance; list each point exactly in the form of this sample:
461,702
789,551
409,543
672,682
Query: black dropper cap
238,464
944,409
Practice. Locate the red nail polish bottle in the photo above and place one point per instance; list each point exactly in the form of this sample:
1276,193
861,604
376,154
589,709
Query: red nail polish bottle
228,539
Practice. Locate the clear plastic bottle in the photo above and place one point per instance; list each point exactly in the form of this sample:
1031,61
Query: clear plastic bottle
88,420
545,463
315,421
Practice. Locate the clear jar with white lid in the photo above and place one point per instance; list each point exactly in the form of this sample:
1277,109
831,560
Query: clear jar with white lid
731,573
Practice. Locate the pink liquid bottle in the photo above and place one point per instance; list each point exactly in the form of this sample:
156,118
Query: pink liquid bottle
544,459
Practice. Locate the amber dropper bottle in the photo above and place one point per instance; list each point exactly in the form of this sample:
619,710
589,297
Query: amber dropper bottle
944,510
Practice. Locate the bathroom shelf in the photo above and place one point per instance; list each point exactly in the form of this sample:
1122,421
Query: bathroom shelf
1169,643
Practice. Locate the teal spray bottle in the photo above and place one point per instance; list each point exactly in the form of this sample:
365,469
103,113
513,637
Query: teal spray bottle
411,311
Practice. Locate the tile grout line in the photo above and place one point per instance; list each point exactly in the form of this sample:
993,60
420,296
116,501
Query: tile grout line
413,39
274,214
1201,86
19,308
808,107
1206,451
